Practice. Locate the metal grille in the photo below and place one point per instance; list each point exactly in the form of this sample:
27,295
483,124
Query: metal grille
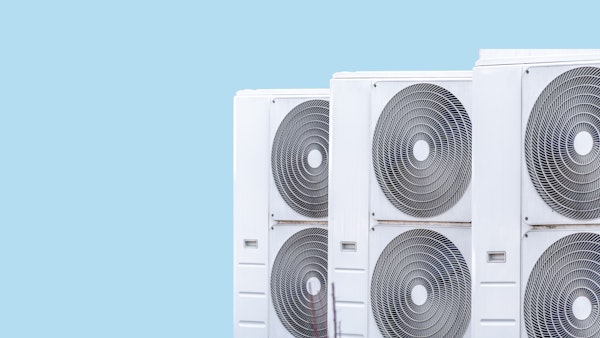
423,113
568,180
567,270
423,259
301,260
305,129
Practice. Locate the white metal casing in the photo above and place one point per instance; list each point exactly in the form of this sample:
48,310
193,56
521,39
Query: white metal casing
503,194
354,194
257,114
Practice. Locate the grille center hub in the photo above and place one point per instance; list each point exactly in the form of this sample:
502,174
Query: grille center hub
315,158
421,150
582,308
583,143
313,286
418,294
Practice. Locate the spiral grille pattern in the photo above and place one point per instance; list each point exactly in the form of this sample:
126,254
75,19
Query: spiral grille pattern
301,305
423,113
421,258
303,131
567,270
566,180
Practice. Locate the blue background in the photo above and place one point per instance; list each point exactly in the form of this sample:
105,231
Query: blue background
116,137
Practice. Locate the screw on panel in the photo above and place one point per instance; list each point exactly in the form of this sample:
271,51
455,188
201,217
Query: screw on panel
372,214
373,228
526,235
273,101
375,85
526,218
527,71
272,228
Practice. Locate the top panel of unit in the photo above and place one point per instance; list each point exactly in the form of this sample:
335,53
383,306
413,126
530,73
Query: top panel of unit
495,57
283,92
404,75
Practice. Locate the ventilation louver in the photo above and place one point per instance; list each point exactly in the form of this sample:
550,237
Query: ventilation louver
299,158
562,144
429,115
421,287
299,283
562,296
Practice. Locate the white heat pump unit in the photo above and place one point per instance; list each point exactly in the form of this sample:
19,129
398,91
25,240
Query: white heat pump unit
400,204
281,156
536,193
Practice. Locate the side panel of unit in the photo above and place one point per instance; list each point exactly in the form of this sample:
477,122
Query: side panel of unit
350,157
250,216
496,202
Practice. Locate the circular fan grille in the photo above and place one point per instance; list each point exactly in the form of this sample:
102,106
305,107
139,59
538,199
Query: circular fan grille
426,261
569,270
566,174
299,158
422,150
299,283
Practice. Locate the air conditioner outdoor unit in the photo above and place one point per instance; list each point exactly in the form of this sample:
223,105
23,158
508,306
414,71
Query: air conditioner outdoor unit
281,156
399,222
536,193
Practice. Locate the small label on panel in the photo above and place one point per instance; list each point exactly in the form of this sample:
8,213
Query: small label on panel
496,257
348,246
251,243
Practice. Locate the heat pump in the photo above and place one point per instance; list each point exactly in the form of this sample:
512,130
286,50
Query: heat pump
400,235
561,283
536,193
281,156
